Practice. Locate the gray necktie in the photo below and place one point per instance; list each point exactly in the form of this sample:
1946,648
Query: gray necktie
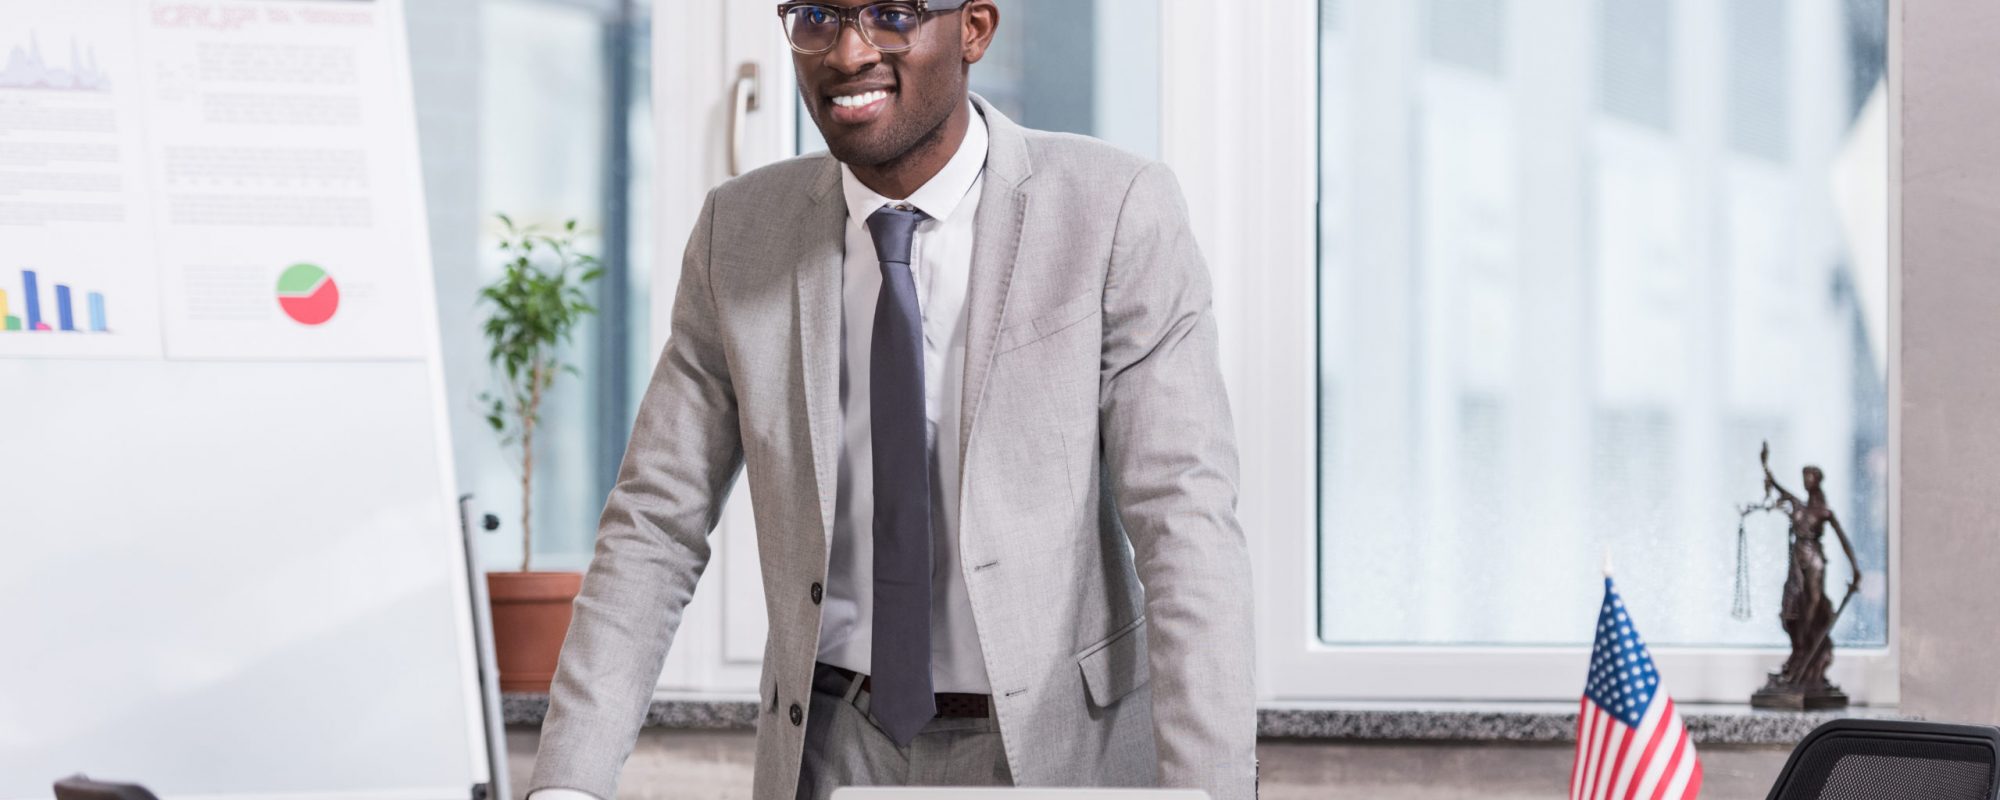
900,656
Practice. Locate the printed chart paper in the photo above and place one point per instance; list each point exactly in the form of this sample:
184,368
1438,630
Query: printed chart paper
206,180
78,277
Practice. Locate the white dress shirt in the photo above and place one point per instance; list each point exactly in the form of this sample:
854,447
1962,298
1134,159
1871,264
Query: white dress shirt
941,265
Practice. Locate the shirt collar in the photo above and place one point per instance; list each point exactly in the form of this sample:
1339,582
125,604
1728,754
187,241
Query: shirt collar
939,196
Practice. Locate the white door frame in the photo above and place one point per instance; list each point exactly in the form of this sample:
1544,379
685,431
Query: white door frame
699,50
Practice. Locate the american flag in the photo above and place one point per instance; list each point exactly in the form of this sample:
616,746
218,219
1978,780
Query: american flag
1630,743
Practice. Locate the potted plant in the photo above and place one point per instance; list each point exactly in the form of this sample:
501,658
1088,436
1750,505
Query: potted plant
537,303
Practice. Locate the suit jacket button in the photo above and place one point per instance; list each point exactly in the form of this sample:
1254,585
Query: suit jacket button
798,714
817,592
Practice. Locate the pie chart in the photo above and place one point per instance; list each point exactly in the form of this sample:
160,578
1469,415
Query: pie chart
307,294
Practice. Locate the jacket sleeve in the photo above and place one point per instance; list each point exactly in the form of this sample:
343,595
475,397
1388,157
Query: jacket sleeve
652,544
1170,455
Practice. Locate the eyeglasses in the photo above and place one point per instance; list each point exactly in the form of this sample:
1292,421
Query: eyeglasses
890,26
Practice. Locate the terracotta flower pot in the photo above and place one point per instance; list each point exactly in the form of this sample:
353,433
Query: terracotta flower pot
530,618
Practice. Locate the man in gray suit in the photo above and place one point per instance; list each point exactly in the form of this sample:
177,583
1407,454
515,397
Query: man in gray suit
970,370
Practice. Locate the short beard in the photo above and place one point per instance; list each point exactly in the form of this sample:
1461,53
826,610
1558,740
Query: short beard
897,145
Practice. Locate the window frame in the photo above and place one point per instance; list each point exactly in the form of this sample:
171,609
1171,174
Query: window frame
1248,162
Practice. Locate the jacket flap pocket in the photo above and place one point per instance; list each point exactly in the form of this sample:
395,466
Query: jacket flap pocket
1065,314
1116,666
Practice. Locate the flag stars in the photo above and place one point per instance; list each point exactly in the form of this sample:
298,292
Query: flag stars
1622,678
1623,686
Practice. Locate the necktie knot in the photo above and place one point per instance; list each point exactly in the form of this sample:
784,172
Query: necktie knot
892,228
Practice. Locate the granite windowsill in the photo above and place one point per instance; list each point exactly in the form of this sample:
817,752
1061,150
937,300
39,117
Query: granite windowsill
1352,721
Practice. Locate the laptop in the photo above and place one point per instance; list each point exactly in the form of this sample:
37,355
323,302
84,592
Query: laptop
1011,793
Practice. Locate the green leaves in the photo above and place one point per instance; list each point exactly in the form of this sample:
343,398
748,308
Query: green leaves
496,414
537,302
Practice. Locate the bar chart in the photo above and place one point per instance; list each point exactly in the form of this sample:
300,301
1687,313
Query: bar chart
64,317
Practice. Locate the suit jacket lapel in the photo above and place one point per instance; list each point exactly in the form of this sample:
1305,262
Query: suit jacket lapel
1003,207
821,247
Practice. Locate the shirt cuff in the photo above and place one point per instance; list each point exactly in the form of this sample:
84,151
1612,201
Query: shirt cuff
560,794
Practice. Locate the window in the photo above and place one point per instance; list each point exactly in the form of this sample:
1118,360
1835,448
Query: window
1574,268
539,109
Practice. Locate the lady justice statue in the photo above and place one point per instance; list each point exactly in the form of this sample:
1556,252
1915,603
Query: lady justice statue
1807,613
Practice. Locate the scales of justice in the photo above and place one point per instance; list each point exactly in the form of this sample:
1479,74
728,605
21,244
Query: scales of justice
1807,613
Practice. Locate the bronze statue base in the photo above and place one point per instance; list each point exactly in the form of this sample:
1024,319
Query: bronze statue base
1792,697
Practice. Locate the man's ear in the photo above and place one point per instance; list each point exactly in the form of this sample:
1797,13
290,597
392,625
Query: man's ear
981,20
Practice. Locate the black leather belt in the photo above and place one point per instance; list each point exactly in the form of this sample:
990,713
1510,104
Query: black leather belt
829,679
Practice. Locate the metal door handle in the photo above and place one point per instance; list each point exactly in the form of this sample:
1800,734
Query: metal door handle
743,101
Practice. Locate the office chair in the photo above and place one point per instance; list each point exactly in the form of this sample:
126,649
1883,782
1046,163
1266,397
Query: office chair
1867,759
78,787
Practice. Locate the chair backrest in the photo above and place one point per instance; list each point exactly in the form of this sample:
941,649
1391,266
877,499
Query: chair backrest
79,787
1865,759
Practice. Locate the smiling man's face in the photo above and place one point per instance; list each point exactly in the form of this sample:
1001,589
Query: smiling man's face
875,108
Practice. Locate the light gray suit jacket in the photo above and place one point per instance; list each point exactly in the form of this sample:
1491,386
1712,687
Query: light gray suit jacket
1109,578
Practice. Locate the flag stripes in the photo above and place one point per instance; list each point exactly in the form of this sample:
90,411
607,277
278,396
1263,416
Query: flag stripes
1630,741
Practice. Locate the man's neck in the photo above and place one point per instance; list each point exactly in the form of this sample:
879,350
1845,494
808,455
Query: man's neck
904,175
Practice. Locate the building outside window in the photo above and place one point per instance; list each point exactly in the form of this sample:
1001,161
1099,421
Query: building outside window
1578,259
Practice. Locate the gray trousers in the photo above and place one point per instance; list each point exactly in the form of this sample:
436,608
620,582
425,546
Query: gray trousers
844,747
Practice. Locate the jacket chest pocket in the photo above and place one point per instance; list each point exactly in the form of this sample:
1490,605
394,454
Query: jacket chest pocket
1064,316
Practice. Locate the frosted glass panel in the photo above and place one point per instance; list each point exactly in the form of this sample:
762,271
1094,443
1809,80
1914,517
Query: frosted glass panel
1579,258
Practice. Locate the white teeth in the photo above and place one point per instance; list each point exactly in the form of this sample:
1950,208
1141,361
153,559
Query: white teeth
859,100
